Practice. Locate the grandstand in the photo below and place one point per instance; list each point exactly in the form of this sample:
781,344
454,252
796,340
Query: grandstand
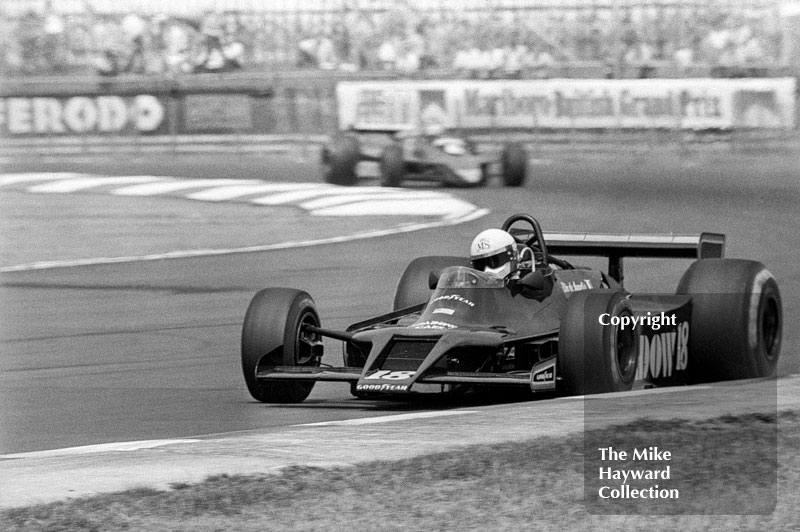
471,38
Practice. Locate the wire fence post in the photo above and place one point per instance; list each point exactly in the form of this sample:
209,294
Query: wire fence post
172,106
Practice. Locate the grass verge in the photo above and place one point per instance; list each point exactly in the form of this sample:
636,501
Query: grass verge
533,485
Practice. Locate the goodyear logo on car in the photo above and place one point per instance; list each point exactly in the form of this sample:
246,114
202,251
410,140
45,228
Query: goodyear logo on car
372,382
547,375
543,376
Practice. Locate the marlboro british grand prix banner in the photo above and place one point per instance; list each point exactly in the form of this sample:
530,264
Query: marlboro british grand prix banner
567,103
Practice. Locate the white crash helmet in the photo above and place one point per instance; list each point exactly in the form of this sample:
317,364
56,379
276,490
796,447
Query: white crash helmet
433,129
495,251
451,145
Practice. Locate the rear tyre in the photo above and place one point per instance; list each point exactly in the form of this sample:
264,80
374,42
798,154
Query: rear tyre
413,287
272,336
595,358
340,158
514,162
737,320
392,166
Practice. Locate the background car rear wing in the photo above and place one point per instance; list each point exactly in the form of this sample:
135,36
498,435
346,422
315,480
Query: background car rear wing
615,247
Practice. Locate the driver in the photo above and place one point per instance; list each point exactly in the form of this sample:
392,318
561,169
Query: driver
495,251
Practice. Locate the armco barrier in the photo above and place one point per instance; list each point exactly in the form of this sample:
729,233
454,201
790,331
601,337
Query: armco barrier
251,110
306,144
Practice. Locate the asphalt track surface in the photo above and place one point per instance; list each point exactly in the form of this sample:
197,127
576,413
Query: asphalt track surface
150,350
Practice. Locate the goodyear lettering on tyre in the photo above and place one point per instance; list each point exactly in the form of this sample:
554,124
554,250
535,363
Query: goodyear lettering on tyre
664,352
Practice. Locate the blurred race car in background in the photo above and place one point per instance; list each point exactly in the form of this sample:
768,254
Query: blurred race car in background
449,159
556,328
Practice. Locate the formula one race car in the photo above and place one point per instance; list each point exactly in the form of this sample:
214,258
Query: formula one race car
554,328
408,155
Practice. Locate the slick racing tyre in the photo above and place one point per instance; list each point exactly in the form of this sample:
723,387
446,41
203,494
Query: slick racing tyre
392,166
413,287
595,358
514,163
272,336
340,158
737,320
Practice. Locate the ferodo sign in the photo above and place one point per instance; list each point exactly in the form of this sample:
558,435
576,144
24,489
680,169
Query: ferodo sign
81,115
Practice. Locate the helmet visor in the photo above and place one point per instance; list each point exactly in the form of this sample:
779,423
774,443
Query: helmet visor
492,262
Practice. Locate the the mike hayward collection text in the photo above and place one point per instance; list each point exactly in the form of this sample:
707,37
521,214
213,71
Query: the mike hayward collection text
624,474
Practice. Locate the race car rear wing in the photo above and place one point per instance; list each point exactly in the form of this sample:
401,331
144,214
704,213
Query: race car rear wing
615,247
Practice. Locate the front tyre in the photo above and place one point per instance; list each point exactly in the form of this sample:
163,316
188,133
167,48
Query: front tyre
273,335
737,320
592,357
392,166
514,163
339,159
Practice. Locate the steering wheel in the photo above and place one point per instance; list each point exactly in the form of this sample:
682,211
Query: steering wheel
535,241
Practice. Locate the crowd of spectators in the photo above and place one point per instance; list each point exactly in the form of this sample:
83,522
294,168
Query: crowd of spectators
117,44
511,42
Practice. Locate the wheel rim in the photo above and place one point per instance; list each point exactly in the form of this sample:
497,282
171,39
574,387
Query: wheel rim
304,341
626,353
770,324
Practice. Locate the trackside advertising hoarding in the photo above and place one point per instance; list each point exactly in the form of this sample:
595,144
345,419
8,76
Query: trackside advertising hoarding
82,115
568,103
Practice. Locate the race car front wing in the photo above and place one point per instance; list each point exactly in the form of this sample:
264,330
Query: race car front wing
401,358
